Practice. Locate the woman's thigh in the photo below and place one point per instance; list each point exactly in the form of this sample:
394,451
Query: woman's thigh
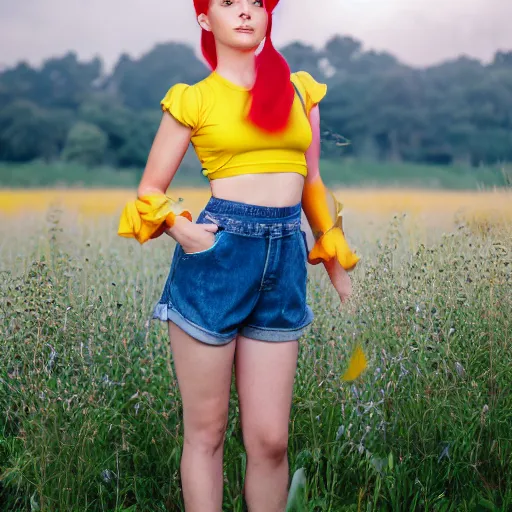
204,377
265,373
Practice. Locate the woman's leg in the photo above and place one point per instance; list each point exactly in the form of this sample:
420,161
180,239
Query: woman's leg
204,378
264,375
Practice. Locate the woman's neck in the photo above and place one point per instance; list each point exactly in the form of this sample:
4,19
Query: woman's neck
236,66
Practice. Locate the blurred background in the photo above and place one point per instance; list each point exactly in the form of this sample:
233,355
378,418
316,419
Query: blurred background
421,91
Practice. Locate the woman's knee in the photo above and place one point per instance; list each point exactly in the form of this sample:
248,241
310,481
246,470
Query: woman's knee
206,436
270,445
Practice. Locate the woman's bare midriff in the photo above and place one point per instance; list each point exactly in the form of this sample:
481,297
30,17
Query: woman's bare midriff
264,189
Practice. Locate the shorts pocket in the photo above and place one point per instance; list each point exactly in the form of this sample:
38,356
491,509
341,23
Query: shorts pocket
218,237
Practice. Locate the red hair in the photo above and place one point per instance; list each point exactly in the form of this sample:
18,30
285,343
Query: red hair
270,105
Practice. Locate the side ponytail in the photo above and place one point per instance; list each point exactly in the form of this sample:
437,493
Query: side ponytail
272,94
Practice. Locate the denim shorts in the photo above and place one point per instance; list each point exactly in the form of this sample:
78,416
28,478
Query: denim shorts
251,281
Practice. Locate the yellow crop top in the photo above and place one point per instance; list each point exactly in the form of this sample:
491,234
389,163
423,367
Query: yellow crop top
226,143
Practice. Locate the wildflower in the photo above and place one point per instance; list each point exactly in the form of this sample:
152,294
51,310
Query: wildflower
444,452
107,475
483,415
460,369
379,463
53,357
340,432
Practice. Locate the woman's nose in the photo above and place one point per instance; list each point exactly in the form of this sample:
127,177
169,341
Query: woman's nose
244,6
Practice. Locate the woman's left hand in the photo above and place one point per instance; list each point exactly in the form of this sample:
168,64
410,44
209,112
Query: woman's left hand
339,278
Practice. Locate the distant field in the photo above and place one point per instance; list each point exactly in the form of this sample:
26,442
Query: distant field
366,210
340,172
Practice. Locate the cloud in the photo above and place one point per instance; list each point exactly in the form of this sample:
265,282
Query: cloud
419,32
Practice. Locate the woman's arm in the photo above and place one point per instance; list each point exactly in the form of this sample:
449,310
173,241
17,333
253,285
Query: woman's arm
316,209
146,218
169,147
167,151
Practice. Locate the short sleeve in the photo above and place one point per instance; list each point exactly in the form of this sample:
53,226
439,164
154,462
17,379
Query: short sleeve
313,91
181,101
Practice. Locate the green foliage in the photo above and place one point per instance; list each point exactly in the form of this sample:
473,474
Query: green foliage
41,175
86,144
28,131
456,112
130,134
143,83
72,174
91,414
62,82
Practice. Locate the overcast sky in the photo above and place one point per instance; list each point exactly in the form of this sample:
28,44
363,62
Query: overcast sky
419,32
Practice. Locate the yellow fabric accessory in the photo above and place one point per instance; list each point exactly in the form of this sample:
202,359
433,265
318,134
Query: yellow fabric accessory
149,216
327,229
226,143
356,365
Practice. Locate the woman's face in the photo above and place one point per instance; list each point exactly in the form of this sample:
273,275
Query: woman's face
240,24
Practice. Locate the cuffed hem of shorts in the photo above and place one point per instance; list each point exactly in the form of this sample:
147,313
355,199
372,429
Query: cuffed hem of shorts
277,335
166,312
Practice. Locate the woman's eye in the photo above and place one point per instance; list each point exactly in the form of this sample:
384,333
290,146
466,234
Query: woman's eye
257,3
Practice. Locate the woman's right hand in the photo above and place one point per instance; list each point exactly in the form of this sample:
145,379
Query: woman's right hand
339,278
191,236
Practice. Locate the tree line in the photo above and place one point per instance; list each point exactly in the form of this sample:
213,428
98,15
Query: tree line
459,111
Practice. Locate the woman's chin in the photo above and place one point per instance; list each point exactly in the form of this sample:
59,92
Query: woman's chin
245,43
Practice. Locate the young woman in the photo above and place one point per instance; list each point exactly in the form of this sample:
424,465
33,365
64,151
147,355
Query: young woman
236,291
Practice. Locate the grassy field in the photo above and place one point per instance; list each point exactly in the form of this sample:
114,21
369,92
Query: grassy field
336,172
90,416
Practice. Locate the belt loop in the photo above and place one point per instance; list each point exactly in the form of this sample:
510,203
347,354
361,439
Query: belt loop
209,217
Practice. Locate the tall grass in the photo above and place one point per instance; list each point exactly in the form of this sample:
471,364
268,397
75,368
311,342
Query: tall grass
90,415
